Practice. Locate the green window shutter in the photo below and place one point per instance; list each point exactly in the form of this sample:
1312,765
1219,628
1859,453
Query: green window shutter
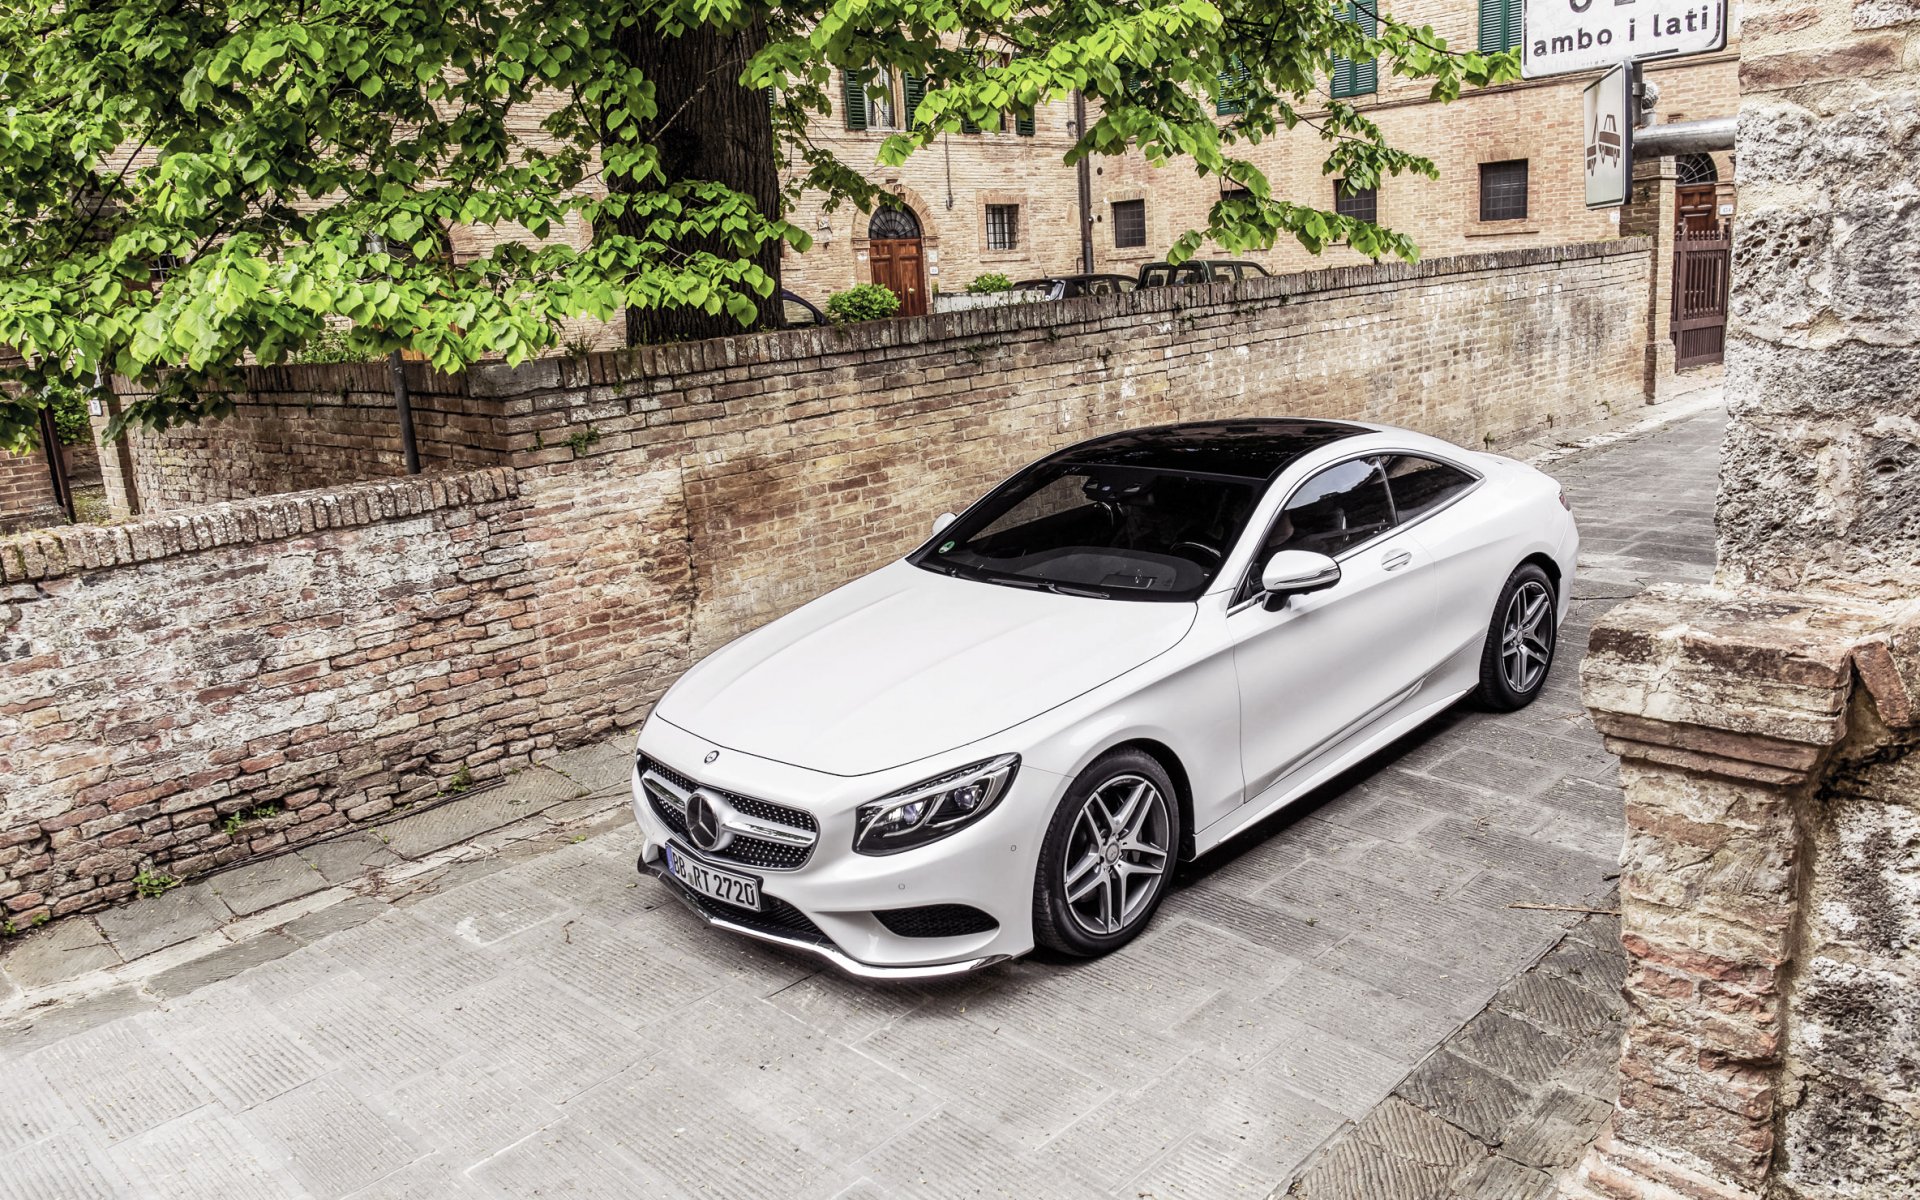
1023,125
855,97
967,125
1352,78
913,89
1499,25
1233,91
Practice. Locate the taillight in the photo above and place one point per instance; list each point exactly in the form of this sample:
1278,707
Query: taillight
1563,500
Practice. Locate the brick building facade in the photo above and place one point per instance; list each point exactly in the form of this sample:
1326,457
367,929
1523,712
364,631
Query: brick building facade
1529,133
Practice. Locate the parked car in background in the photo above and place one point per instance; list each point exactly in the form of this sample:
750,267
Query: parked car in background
1128,653
1199,270
798,312
1066,287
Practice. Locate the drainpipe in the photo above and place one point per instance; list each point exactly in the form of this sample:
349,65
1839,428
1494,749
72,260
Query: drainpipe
403,404
1086,185
1684,137
56,463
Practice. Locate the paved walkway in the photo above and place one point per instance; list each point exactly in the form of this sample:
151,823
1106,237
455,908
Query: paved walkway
483,999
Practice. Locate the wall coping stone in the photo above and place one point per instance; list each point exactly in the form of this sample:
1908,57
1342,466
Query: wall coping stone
1745,683
46,554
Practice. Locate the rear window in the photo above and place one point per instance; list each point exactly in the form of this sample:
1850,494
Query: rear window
1421,485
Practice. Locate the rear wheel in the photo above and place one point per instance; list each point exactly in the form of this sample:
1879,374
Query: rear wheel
1107,857
1520,641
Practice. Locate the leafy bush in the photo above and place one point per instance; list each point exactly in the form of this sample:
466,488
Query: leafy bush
866,302
330,345
991,282
69,403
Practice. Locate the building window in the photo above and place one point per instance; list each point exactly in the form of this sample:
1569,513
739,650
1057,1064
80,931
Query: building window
1499,25
1362,204
1351,77
869,105
1003,226
1129,223
1235,84
1503,190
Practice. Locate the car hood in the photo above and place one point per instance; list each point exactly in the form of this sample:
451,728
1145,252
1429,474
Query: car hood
904,663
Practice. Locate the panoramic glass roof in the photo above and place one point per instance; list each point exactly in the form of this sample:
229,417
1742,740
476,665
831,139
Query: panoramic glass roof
1254,448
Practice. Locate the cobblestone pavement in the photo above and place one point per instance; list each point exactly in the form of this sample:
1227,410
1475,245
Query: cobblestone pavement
484,1001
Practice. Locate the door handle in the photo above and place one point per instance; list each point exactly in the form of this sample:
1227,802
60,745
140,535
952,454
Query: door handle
1393,560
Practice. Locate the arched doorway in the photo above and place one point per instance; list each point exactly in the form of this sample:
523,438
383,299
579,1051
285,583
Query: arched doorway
1696,190
897,257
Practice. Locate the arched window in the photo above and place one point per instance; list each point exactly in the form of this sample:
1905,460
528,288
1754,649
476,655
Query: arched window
893,223
1695,168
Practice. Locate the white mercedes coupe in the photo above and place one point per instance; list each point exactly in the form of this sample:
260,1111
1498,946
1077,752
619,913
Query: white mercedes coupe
1121,657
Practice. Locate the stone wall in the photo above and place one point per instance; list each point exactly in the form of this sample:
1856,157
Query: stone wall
1768,725
306,661
1823,361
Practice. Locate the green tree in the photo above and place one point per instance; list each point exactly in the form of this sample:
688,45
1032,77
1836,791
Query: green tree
193,184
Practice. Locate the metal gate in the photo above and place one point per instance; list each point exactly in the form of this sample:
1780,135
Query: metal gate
1702,260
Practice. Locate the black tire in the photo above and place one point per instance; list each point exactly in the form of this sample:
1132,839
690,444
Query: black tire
1499,690
1057,923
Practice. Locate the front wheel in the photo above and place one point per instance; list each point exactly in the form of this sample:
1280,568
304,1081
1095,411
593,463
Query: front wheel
1520,641
1107,857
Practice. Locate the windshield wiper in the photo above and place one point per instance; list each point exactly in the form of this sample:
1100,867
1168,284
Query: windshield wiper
1048,585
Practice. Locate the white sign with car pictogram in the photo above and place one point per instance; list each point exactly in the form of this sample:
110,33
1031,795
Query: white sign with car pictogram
1609,126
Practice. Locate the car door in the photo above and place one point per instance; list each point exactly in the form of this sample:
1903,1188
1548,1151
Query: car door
1330,662
1446,506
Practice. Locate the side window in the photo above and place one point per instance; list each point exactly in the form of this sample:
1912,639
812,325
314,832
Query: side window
1421,485
1340,507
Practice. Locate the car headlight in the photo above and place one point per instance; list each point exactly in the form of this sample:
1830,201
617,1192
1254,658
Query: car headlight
933,808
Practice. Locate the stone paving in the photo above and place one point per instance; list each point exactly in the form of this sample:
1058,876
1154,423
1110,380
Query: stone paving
483,1000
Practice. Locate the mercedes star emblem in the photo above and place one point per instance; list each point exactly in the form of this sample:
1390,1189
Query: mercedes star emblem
707,821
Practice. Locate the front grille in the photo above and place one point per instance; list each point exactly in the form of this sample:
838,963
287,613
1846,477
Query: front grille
936,920
776,917
747,851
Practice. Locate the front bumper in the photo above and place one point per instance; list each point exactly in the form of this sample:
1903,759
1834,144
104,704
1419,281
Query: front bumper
827,950
988,865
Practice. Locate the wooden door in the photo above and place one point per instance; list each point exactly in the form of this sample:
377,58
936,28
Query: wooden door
1696,207
899,266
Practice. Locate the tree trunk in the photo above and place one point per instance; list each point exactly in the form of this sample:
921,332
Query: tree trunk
709,127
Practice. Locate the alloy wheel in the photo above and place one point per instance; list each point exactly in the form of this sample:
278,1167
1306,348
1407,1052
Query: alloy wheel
1117,854
1526,636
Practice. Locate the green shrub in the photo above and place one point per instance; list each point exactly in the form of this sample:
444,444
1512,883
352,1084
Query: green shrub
330,345
867,302
70,413
991,282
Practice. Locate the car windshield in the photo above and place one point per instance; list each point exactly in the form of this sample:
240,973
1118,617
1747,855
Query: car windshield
1124,533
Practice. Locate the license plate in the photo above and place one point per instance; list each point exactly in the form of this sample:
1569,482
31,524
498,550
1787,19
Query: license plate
742,891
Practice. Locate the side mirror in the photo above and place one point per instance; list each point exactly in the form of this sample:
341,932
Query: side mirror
942,521
1295,573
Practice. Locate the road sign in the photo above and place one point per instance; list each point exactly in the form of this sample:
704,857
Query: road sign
1559,37
1609,125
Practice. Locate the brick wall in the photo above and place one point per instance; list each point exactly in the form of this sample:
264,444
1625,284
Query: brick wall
306,427
26,492
331,653
306,662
